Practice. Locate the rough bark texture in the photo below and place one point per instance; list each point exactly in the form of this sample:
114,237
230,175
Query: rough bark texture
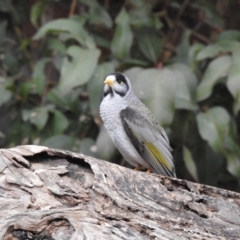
55,194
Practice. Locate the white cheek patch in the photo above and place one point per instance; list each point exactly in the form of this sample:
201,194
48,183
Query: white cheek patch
105,88
120,89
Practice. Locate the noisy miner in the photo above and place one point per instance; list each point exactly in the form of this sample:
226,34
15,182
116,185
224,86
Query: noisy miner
133,129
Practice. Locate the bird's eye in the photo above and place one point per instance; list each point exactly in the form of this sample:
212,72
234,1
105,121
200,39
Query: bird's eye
121,82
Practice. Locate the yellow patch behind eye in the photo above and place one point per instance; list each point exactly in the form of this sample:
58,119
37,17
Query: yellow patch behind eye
154,152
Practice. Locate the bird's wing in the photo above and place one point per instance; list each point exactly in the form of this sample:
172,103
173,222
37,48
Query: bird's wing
150,141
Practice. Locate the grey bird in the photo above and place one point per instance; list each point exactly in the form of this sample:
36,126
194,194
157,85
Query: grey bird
133,129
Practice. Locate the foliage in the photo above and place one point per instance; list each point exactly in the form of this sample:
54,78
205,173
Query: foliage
52,78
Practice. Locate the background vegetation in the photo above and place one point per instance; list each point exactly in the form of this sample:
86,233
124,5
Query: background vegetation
182,56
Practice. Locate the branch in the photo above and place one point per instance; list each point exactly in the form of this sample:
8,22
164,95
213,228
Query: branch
55,194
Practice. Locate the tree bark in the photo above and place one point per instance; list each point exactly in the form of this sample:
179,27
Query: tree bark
55,194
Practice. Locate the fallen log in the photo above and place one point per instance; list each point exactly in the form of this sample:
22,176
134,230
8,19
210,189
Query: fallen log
55,194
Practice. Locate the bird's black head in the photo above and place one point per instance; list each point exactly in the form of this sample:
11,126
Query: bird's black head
116,83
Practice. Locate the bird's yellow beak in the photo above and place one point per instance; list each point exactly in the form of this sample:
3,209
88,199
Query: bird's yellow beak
109,81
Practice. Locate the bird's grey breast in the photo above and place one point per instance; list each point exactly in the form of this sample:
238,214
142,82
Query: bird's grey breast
109,110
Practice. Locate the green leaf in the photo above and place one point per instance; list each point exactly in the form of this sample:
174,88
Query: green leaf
78,67
24,44
214,127
73,26
6,6
232,154
133,73
137,3
39,75
2,135
60,142
233,81
10,63
58,61
186,87
157,89
69,102
130,62
193,51
182,50
99,16
190,164
142,16
217,69
5,95
231,144
232,150
59,122
229,35
215,49
123,36
37,116
101,41
164,90
56,45
149,42
233,163
25,89
95,86
211,13
36,12
54,97
91,4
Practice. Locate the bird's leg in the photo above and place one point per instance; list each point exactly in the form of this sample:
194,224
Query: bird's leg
138,168
149,170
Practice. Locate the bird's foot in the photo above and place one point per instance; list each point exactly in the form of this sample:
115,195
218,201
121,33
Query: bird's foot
149,170
138,168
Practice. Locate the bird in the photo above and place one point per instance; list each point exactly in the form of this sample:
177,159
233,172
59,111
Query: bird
133,129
